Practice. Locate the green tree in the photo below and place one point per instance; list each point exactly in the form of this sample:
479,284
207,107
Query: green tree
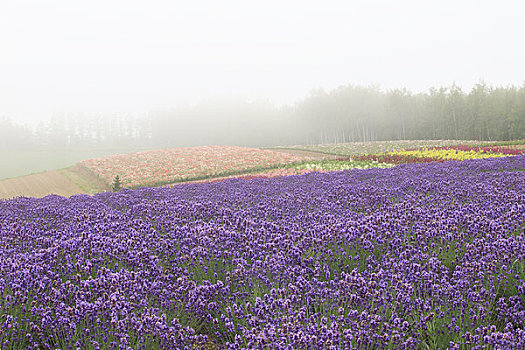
117,185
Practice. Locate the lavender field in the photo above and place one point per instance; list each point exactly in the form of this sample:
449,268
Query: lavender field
419,256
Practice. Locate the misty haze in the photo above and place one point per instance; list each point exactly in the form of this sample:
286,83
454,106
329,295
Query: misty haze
262,175
346,114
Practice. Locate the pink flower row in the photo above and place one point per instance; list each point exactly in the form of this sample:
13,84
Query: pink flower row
178,164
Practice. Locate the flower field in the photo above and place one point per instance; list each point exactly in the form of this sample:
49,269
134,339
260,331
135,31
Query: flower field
306,167
375,147
338,165
418,256
391,158
316,166
440,154
457,152
171,165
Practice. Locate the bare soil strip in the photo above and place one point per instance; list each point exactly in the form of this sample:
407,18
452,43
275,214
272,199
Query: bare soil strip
64,182
38,185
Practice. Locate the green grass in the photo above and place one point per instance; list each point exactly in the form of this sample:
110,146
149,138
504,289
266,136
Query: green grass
25,162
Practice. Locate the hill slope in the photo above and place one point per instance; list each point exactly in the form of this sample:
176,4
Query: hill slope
64,182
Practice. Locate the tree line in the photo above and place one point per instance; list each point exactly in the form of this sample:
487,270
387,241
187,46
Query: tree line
347,114
353,113
77,130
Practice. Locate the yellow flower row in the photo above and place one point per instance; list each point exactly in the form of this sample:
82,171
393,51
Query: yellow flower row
445,154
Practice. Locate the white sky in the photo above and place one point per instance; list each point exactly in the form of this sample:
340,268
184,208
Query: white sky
125,55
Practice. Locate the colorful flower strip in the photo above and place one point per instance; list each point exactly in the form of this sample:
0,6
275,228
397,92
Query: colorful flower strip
445,154
505,150
395,159
377,147
440,154
179,164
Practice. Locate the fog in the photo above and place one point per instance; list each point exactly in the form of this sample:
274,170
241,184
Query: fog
133,56
146,74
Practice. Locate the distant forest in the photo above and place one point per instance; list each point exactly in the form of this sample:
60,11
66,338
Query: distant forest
346,114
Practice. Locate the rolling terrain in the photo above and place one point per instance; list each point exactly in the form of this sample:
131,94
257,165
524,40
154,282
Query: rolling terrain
64,182
209,166
79,180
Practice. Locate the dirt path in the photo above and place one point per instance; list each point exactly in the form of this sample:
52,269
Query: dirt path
64,182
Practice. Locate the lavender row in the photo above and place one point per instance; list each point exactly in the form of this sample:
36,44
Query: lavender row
416,256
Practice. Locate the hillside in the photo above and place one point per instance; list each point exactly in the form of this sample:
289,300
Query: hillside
180,165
